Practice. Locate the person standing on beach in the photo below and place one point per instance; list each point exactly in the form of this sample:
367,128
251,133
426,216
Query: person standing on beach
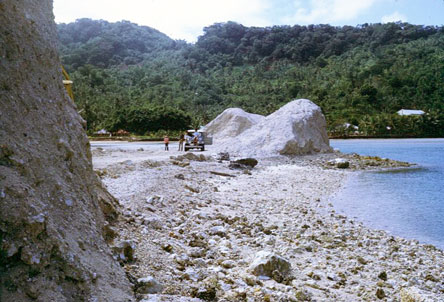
181,141
166,141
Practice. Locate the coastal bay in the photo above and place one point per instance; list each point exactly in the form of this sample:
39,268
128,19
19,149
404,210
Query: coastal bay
407,202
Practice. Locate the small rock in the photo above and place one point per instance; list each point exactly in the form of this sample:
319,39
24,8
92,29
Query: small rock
179,162
154,222
194,190
245,163
32,290
206,293
154,199
250,280
11,248
223,156
340,163
196,252
167,247
266,263
192,156
124,251
192,274
184,164
218,230
380,294
431,278
180,176
168,298
148,285
109,232
302,295
383,276
182,259
246,171
414,294
228,264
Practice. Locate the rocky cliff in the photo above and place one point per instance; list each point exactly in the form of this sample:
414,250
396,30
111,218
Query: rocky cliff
53,210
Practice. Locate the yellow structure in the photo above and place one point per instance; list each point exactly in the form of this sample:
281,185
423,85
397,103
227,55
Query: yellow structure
68,83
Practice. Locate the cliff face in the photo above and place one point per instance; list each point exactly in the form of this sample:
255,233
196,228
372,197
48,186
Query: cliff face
52,206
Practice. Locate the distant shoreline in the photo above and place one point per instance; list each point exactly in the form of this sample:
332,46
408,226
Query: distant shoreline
379,137
172,139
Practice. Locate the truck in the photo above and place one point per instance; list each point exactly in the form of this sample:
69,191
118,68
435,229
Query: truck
197,139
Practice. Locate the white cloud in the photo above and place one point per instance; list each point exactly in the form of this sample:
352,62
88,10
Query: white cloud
179,19
328,11
396,16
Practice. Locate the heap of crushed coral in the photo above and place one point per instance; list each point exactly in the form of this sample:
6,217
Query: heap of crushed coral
297,128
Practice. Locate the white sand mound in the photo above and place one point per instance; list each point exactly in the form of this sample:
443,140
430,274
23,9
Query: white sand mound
231,123
297,128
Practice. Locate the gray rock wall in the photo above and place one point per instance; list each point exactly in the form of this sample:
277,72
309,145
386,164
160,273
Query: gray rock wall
52,205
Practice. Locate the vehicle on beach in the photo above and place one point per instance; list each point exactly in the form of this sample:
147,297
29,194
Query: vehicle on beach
196,139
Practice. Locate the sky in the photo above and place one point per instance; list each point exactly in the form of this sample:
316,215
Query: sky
185,19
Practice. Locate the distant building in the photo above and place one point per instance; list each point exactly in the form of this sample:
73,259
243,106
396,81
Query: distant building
410,112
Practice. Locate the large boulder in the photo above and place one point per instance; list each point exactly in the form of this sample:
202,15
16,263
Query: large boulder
53,210
231,123
297,128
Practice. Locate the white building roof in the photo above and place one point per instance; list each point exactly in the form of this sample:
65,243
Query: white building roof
410,112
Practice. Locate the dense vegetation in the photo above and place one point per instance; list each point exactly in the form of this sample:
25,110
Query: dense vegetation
136,78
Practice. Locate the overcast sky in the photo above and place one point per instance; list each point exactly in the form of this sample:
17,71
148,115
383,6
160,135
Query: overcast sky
185,19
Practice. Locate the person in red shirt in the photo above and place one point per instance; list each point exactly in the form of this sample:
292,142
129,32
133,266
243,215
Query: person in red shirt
166,140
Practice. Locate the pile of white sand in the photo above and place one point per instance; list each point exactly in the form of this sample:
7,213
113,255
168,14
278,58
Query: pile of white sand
297,128
231,123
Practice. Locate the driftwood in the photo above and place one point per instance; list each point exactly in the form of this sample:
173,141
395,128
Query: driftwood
222,174
194,190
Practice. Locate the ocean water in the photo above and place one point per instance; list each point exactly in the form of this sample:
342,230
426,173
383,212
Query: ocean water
407,203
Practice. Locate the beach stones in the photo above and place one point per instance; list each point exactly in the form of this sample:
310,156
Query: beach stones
148,285
238,244
245,163
218,230
124,251
340,163
223,156
414,294
270,264
380,294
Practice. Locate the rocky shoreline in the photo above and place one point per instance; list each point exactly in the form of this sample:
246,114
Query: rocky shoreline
193,229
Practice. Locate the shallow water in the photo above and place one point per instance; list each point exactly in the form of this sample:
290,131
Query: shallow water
407,203
123,145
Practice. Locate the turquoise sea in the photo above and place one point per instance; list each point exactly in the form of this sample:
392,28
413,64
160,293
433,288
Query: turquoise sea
407,203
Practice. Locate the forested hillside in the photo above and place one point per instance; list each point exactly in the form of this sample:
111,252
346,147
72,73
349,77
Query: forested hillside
136,78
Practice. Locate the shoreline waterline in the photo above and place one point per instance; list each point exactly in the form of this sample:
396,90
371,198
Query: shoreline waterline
404,202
